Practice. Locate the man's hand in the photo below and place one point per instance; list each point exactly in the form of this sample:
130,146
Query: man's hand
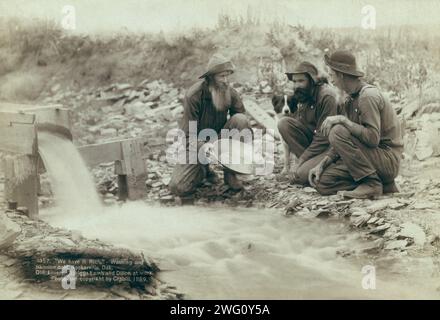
206,153
329,122
315,174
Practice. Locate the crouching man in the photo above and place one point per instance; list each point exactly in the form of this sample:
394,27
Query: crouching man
366,144
315,100
207,105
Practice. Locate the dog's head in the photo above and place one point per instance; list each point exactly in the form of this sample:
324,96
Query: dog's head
284,104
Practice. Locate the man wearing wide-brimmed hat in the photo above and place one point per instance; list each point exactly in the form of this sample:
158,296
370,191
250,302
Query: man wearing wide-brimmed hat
208,103
315,100
366,143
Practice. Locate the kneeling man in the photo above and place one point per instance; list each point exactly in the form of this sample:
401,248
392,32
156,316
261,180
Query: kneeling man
315,100
207,104
366,143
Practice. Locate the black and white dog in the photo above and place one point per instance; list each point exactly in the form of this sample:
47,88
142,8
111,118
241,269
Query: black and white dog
284,105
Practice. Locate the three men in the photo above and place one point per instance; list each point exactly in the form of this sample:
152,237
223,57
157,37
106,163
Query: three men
316,100
207,104
366,144
357,152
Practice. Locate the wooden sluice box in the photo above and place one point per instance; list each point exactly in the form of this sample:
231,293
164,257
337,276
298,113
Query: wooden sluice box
22,165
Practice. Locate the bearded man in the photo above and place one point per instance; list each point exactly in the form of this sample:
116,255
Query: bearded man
315,100
208,103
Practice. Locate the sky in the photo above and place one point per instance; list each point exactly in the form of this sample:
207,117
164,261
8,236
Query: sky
173,15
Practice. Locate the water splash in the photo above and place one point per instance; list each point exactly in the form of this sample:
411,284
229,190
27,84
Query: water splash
73,188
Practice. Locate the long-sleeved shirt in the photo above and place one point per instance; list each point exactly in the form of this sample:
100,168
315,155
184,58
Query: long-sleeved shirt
376,122
313,114
198,106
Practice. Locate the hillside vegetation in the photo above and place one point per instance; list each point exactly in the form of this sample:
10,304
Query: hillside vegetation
35,55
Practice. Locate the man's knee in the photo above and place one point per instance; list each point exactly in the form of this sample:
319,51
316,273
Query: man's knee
338,133
302,175
185,180
286,125
239,121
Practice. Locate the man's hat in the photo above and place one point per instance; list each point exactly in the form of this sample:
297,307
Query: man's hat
304,67
217,64
343,61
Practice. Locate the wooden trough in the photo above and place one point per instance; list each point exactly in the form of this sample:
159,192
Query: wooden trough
129,164
19,127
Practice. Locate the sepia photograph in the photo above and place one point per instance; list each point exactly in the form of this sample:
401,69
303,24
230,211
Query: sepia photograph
217,150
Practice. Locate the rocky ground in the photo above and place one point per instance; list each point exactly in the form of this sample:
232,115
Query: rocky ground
32,254
398,225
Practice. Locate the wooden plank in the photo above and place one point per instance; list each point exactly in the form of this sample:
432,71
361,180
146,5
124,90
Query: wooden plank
25,193
18,138
7,118
95,154
261,116
53,114
132,155
134,181
120,167
18,107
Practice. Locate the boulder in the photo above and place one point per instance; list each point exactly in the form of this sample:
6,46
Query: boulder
413,231
135,108
9,231
428,141
396,245
380,229
153,96
359,221
109,132
267,90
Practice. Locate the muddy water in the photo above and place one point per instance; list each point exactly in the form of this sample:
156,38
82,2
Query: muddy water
212,253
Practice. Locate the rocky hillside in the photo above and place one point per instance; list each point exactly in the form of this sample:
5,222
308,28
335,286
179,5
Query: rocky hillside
36,55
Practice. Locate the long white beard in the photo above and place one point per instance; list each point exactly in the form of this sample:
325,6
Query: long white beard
221,97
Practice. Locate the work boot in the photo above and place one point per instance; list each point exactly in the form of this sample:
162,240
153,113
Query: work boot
391,187
232,181
370,187
211,176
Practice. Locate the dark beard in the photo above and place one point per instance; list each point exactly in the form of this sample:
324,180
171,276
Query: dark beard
302,95
221,96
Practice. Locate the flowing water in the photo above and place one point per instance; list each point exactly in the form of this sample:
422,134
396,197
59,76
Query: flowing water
224,253
72,185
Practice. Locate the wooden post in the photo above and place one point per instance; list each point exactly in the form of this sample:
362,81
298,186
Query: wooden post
18,136
129,164
135,168
24,193
121,171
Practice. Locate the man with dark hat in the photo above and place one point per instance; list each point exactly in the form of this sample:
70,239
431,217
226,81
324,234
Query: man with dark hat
316,100
207,104
366,143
